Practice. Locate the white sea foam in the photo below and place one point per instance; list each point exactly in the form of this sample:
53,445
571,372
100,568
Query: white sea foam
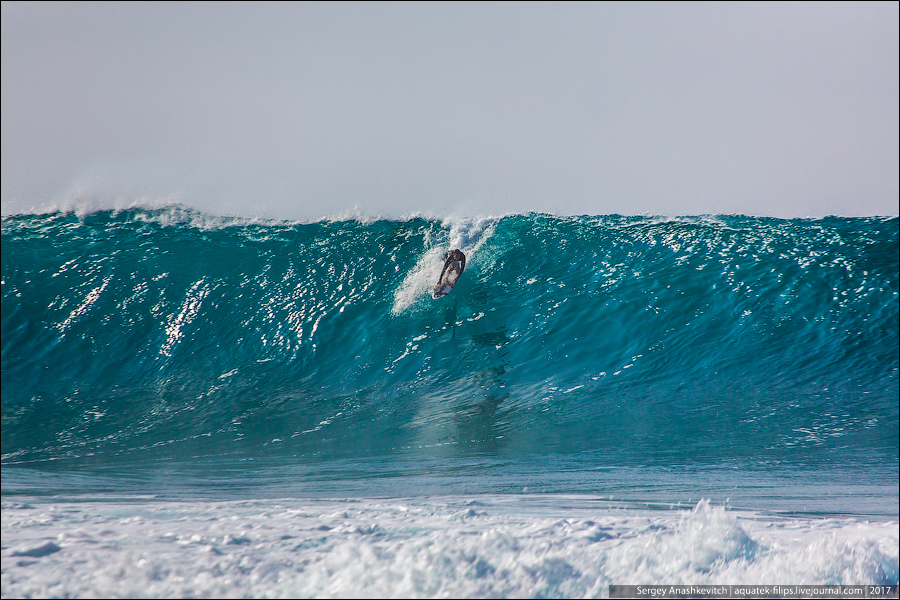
466,234
489,546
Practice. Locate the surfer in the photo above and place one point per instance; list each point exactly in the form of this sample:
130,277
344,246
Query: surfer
454,261
454,265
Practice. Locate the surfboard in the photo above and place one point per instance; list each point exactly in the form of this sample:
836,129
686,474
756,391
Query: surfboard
440,291
445,285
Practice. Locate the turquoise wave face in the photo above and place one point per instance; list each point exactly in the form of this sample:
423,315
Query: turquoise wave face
145,334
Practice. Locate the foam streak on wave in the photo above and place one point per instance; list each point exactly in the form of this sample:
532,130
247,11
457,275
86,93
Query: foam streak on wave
466,234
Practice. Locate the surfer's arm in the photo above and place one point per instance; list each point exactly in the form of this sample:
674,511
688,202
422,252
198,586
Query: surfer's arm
462,264
444,270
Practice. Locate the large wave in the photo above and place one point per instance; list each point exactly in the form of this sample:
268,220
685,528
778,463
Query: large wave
630,340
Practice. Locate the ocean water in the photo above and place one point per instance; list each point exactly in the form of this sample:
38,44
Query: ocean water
209,406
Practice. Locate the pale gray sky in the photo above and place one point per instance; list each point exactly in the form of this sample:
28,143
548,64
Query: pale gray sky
307,110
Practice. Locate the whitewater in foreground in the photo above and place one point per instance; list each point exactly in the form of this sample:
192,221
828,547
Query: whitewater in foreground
490,546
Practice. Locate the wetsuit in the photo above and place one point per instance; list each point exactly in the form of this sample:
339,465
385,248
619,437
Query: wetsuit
454,260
